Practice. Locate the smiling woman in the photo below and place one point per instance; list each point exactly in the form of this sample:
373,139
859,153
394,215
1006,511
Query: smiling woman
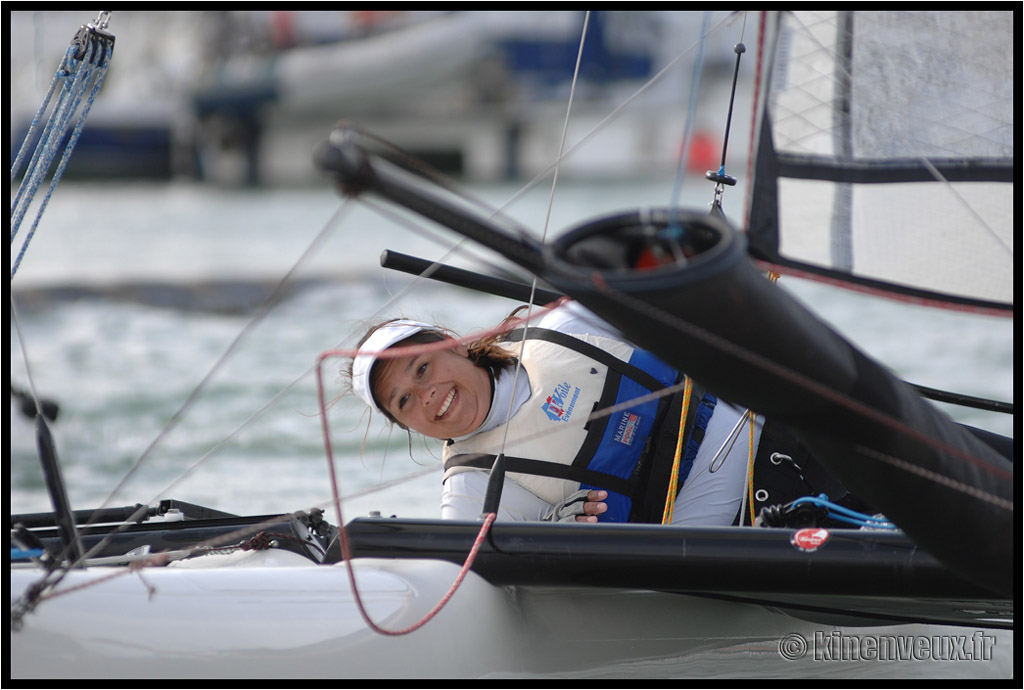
440,393
589,425
423,380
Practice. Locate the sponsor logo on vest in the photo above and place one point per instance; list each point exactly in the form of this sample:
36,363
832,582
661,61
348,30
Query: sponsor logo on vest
626,430
559,405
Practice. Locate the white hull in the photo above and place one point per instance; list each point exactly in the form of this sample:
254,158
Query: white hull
275,615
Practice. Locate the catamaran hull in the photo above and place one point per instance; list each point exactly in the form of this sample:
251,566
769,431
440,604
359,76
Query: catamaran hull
269,615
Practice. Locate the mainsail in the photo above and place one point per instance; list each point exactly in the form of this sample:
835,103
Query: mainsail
884,156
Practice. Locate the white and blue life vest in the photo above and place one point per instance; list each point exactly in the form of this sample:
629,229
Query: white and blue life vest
553,447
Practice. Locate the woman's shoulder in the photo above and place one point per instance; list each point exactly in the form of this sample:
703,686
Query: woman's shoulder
574,319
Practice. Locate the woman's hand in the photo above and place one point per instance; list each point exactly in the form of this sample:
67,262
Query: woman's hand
582,506
593,506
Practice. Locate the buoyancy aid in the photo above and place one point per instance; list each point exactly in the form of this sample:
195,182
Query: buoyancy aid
553,449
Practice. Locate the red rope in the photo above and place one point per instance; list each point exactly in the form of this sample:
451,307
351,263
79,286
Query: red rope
754,134
488,521
391,353
346,552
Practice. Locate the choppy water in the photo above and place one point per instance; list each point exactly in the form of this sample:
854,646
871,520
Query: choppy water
121,368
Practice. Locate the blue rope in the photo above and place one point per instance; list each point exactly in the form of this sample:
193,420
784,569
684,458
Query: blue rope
838,512
25,554
53,132
77,74
35,120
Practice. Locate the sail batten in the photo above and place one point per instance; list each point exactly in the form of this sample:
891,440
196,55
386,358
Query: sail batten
885,153
895,170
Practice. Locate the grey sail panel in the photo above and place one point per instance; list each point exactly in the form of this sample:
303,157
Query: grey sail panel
885,152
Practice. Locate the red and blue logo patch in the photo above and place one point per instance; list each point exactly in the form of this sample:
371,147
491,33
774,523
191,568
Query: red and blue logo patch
626,430
559,405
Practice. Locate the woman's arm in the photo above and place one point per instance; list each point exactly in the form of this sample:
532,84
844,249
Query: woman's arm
463,498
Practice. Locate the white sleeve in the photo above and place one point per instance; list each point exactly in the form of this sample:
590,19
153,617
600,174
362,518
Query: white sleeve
463,499
573,318
713,492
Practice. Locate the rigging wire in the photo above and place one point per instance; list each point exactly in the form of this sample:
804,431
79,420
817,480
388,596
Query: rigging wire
261,313
674,231
179,415
719,177
81,71
609,118
33,394
497,473
675,323
739,49
52,579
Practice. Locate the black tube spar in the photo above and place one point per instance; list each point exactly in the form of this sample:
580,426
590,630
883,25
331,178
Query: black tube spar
451,275
717,318
70,541
355,173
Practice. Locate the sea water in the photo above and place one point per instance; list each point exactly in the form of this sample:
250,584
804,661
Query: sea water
190,399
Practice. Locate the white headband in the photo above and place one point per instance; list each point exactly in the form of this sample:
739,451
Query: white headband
381,339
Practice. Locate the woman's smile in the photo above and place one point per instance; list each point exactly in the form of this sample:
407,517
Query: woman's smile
447,402
440,394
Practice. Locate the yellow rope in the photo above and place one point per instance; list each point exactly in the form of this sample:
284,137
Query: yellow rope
670,499
750,466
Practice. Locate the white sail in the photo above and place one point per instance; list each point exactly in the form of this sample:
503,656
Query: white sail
886,152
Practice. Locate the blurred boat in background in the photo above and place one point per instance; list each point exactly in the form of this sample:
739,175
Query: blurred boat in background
241,98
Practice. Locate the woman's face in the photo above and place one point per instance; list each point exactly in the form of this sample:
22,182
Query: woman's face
440,394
